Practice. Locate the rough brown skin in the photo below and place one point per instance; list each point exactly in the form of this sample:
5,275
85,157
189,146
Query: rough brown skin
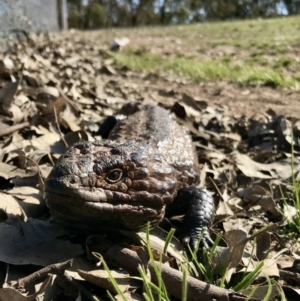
126,183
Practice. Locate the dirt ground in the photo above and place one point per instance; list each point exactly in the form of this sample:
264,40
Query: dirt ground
246,101
268,42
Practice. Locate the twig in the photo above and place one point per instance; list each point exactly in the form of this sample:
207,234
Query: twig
42,183
14,128
216,189
197,290
67,99
287,275
57,268
58,128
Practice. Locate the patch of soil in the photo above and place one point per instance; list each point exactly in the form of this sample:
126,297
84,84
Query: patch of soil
241,100
178,42
247,101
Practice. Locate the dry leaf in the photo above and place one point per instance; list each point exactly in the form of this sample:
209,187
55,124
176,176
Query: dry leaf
101,278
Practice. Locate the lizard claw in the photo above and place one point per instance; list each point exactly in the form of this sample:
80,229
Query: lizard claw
205,240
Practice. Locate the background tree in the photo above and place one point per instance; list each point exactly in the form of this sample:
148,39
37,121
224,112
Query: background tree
100,13
292,6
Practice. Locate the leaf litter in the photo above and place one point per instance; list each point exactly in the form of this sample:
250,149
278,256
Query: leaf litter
56,91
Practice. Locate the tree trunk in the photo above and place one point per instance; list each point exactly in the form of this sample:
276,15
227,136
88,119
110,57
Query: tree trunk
163,12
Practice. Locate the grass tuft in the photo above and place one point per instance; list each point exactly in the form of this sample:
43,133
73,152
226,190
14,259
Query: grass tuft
245,73
249,52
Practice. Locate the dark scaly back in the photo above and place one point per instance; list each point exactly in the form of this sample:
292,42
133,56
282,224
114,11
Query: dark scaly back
153,125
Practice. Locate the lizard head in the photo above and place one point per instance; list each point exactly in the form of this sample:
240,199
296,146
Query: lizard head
122,183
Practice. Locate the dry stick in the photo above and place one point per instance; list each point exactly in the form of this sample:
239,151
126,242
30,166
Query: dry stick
128,259
216,189
67,99
58,128
41,181
287,275
57,268
21,77
197,290
14,128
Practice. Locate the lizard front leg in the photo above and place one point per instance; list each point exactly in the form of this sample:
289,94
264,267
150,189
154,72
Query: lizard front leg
198,206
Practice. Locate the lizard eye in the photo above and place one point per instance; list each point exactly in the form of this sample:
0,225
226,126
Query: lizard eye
114,175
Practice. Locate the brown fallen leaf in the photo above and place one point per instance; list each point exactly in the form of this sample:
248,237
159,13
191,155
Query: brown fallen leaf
101,278
269,268
261,291
7,94
257,195
250,168
9,206
263,245
35,242
30,200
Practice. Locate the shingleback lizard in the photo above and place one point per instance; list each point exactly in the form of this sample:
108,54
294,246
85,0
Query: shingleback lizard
146,169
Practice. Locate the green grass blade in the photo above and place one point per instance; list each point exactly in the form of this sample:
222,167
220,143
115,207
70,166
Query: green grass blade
168,240
246,282
269,291
112,279
146,283
111,297
184,284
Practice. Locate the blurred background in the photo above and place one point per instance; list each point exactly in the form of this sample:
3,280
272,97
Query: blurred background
211,48
35,15
94,14
32,15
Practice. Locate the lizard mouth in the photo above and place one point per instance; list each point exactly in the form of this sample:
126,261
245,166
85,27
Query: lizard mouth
90,206
72,193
